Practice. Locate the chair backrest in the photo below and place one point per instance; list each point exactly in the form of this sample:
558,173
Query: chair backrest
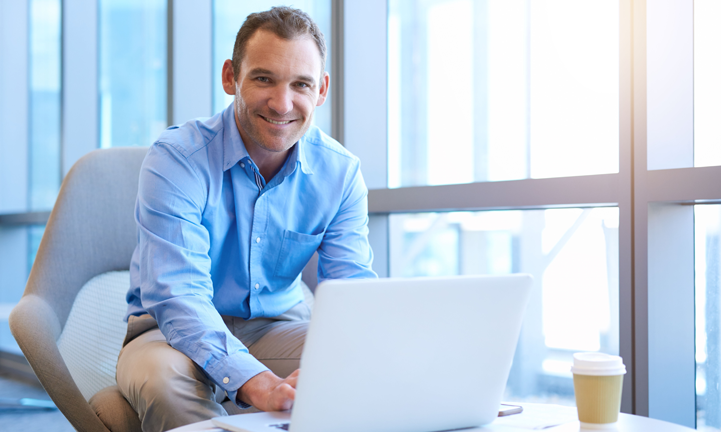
94,332
91,231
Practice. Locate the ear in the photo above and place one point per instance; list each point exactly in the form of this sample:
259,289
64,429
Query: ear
324,85
228,78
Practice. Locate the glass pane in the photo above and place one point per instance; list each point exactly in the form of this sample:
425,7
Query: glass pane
14,268
44,131
573,257
133,71
501,90
229,15
708,316
707,86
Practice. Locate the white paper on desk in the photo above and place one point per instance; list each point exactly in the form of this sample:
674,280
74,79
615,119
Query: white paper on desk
539,417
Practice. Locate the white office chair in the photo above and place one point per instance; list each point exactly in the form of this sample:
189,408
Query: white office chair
69,322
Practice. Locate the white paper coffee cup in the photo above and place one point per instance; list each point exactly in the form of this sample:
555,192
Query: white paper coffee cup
597,382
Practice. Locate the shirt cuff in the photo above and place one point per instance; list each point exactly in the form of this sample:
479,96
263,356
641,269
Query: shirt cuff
233,371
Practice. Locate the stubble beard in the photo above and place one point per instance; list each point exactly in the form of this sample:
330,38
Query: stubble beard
243,116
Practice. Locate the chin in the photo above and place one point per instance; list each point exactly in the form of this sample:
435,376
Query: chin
278,146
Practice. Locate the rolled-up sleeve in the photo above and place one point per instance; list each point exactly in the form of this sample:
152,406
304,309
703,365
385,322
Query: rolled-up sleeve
176,286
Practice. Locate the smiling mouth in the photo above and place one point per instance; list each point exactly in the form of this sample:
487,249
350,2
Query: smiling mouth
274,121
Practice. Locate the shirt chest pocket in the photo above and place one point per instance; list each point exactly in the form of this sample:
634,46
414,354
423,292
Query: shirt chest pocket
295,252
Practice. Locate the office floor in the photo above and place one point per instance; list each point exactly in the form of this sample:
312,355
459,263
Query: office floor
28,421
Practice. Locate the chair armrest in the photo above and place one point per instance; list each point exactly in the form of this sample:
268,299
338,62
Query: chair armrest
36,328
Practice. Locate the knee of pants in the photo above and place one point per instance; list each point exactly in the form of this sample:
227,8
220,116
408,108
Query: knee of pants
160,376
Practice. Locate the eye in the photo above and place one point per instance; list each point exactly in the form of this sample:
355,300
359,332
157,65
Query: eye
302,85
263,79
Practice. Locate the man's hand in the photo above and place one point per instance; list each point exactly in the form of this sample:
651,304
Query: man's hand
268,392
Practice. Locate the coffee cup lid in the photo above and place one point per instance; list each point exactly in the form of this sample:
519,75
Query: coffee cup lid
596,363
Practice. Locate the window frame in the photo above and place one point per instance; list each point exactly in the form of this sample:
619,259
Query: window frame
654,207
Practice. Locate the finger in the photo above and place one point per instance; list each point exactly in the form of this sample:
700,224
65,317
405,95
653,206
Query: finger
283,397
287,391
292,381
286,405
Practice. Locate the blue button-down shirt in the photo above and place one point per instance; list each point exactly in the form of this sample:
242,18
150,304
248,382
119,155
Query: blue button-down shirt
214,238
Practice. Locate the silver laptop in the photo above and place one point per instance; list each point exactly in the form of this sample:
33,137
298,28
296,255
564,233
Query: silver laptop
418,354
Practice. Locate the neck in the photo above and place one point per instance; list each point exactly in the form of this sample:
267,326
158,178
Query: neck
269,163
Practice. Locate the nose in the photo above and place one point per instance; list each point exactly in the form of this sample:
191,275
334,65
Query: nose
281,101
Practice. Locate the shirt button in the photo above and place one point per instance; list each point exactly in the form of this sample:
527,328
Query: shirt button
242,165
226,380
257,286
257,240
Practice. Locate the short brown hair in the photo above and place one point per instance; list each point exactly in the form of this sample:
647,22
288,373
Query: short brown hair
285,22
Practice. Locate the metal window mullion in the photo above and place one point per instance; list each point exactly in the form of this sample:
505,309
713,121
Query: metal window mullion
337,59
639,227
625,204
684,184
663,230
169,61
20,219
584,191
80,128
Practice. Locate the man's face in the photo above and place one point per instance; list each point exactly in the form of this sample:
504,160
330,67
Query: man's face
276,91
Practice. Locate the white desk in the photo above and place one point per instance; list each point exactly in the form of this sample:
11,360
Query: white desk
532,414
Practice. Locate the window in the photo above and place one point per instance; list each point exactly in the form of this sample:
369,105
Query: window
490,91
708,315
640,162
707,223
501,90
573,257
133,71
44,130
707,86
30,89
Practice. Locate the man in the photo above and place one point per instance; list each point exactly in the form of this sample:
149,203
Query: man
229,211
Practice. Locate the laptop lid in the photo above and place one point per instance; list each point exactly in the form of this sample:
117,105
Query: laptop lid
418,354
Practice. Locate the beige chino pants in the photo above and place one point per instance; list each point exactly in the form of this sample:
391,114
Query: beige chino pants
169,390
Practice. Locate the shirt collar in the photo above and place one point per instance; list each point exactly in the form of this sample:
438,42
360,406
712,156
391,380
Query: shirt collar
296,157
234,149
